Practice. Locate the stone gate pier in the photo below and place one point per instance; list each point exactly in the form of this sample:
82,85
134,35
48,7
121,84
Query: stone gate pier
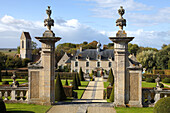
42,73
128,72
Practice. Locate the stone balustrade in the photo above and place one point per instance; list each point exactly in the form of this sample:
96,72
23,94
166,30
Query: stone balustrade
150,95
14,94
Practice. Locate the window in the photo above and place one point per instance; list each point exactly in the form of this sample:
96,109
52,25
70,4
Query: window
98,64
110,64
22,44
87,70
76,70
87,64
76,64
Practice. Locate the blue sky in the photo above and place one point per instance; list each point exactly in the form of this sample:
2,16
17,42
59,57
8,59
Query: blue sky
86,20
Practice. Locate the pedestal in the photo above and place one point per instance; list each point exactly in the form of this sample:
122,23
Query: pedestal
42,73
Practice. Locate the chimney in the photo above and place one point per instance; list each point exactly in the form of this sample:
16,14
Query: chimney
81,49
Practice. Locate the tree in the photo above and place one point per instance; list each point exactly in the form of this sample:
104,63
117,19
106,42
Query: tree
163,57
112,95
25,62
147,59
133,48
78,80
66,82
18,49
75,86
33,45
111,77
59,90
81,75
0,76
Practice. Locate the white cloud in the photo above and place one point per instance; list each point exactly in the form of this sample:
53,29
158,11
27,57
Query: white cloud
147,38
133,11
72,31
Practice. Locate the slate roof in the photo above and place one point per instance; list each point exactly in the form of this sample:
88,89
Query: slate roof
93,54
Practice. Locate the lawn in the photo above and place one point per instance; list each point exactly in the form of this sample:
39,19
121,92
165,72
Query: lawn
26,108
167,83
148,84
134,110
21,81
81,89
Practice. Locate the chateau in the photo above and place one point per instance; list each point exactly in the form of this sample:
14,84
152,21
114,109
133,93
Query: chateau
93,59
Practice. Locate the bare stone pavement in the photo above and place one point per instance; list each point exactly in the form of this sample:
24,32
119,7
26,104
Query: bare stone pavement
91,102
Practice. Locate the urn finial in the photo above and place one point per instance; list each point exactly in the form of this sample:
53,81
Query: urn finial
121,21
49,22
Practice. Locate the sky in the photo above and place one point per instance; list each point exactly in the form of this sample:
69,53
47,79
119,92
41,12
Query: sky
77,21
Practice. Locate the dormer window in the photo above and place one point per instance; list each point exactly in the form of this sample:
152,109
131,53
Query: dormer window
76,57
99,57
87,58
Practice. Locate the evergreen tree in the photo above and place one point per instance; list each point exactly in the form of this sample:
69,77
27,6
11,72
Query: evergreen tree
111,77
81,75
0,76
66,82
75,86
112,95
59,90
78,80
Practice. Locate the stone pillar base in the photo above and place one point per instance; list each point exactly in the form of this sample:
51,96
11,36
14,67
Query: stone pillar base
135,104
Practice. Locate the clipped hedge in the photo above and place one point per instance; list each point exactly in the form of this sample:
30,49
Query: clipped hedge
65,75
150,80
5,83
145,76
162,106
166,80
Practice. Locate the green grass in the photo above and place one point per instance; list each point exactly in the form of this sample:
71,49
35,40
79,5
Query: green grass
81,89
134,110
26,108
106,84
167,83
149,85
21,81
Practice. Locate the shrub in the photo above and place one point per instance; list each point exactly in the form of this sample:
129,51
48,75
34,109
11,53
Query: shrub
78,80
166,80
5,83
26,78
111,77
162,106
66,84
2,106
81,75
59,91
75,86
161,85
150,80
112,95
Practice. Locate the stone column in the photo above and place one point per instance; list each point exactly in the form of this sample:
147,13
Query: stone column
42,73
121,63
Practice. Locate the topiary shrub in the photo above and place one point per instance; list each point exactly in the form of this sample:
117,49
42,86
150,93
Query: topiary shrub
111,77
112,95
161,85
75,86
162,106
2,106
26,78
5,83
150,80
78,80
59,91
81,75
66,84
166,80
